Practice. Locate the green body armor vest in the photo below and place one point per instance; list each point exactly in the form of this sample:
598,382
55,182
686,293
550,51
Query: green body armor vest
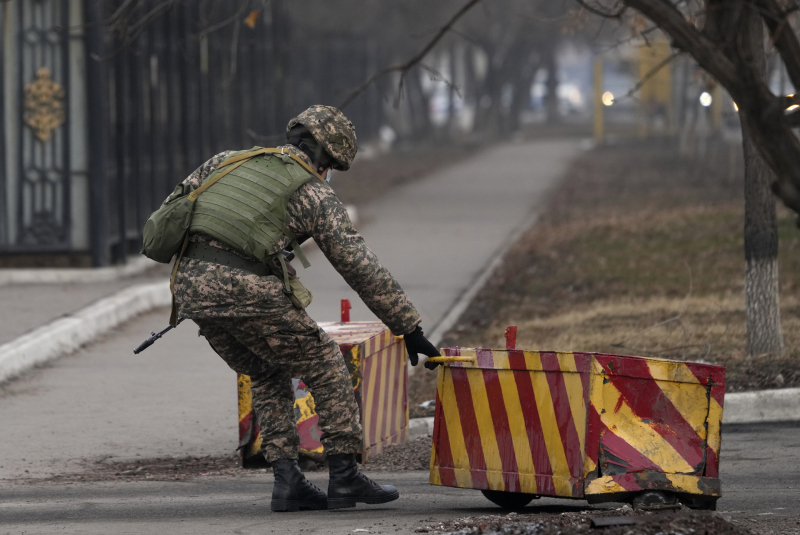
246,209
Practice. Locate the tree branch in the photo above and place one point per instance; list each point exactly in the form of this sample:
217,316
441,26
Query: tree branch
652,72
784,39
686,37
601,12
403,68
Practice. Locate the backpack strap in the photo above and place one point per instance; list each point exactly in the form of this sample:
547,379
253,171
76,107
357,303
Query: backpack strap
253,153
297,159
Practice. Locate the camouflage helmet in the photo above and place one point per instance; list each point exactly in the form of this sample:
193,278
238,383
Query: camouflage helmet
332,130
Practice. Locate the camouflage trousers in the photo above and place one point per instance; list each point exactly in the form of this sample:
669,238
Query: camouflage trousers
273,348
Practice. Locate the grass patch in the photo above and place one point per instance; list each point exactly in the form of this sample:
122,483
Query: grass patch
640,251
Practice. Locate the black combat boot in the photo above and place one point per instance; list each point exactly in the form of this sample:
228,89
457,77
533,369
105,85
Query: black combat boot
347,485
292,490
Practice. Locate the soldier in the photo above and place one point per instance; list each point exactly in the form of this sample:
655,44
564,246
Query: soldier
233,281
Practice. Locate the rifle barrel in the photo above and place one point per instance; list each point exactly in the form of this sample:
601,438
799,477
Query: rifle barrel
155,336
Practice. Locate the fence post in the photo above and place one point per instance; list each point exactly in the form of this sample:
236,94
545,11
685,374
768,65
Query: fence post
97,95
598,100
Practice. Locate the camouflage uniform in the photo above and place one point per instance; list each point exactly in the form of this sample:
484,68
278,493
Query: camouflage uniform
253,326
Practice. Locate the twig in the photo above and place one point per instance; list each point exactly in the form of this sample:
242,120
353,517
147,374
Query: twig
652,72
230,20
403,68
599,11
625,41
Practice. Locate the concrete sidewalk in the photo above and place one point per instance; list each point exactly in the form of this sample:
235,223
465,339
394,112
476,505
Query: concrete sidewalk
29,306
437,236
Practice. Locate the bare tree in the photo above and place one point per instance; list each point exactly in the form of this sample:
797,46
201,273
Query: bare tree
726,39
761,290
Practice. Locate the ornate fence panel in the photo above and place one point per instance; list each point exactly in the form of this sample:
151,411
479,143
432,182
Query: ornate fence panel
100,124
36,179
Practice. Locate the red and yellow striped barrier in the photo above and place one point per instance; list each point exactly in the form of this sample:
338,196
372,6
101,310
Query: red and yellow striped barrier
576,425
376,361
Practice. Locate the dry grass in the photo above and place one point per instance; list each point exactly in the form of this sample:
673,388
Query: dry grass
640,252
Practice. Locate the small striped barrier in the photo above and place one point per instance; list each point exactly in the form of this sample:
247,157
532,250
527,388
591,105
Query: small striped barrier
576,425
376,360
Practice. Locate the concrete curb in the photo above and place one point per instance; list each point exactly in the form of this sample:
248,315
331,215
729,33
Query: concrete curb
65,335
762,406
420,427
135,266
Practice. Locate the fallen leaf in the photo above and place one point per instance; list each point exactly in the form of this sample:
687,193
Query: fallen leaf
251,18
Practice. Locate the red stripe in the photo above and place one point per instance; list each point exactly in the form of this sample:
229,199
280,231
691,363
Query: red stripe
383,417
718,394
710,375
712,463
404,386
527,398
396,386
628,483
618,447
373,427
369,369
484,358
244,425
502,430
400,362
566,425
583,363
385,394
469,427
442,442
593,429
648,402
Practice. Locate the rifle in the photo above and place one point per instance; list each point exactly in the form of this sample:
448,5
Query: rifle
155,336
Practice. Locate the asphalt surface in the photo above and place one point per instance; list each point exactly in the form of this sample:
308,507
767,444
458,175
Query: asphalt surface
759,473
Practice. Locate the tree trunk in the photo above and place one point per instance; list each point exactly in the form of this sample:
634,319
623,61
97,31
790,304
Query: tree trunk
551,96
522,92
282,105
761,289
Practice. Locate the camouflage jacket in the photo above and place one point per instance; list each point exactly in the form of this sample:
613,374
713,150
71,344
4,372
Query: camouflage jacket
206,290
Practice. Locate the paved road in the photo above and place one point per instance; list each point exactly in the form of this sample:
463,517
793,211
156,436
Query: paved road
759,471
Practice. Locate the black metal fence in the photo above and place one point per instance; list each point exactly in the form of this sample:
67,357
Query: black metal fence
162,104
34,137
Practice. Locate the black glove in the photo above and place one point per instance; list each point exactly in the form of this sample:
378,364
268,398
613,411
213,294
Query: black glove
431,365
417,343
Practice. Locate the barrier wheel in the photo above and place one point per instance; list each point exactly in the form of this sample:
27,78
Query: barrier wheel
509,500
704,503
652,500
